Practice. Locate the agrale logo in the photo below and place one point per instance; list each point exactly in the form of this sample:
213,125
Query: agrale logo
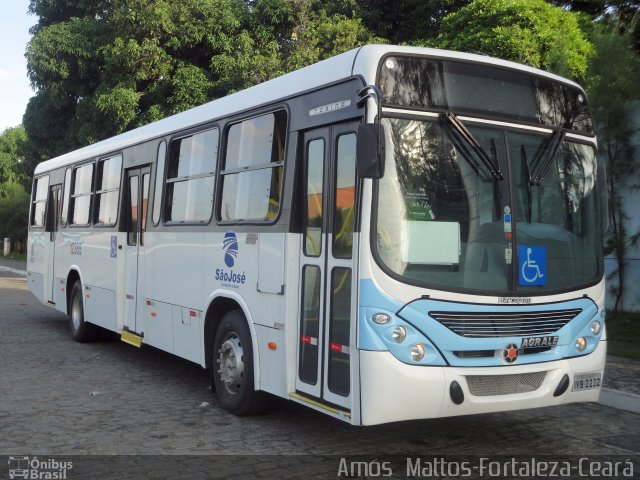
510,353
230,247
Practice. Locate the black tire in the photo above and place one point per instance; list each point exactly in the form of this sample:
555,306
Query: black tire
81,331
232,367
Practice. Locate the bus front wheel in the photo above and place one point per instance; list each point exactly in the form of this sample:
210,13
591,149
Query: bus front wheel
232,367
81,331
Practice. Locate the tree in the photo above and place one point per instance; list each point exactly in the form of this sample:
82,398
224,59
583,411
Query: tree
14,199
613,88
533,32
104,67
12,144
100,71
624,14
14,212
406,21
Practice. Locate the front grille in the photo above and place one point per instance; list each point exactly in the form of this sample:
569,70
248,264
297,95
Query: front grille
502,324
475,353
492,385
492,353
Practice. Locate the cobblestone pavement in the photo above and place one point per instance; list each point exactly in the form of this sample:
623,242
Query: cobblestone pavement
59,397
622,374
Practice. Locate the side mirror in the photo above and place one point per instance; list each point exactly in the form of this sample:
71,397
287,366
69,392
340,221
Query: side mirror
370,151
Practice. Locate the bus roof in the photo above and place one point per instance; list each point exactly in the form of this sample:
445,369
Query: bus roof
360,61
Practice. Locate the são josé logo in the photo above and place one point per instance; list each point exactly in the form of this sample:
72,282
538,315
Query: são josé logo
230,248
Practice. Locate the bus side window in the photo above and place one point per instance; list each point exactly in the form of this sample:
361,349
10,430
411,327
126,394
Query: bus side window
108,191
157,194
65,199
82,189
39,202
190,178
252,173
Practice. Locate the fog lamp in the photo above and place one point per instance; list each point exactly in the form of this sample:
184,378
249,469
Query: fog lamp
417,352
399,334
581,344
596,327
381,318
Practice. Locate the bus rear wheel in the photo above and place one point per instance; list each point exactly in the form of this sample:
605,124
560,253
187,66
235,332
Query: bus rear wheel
232,367
81,331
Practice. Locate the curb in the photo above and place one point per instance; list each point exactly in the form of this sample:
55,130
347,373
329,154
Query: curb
629,402
13,270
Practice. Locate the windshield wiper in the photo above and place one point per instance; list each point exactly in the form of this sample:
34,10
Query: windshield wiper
451,120
550,153
525,162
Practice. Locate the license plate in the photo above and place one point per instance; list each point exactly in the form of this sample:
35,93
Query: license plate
586,381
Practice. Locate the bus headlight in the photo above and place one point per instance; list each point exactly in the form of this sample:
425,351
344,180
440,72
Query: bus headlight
417,352
381,318
399,334
581,344
596,327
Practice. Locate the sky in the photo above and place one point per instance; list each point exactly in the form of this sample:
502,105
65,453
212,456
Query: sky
15,90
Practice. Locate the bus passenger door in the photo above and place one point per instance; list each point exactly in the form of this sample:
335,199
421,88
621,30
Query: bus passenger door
137,192
53,217
327,259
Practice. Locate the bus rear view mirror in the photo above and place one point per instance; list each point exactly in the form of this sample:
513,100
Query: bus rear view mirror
370,151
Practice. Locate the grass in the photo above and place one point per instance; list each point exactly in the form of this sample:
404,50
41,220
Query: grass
623,334
15,256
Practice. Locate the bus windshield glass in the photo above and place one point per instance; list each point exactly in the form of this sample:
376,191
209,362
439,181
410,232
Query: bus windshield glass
482,90
445,221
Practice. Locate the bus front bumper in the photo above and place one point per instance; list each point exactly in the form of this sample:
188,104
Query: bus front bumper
392,391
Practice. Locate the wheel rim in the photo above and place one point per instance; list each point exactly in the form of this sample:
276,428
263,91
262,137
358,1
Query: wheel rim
76,312
231,364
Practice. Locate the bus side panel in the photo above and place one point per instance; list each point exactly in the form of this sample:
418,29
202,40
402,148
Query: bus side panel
64,261
272,358
92,252
187,328
101,306
37,263
158,324
60,289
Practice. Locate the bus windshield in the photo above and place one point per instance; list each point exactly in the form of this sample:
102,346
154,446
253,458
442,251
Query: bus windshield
445,221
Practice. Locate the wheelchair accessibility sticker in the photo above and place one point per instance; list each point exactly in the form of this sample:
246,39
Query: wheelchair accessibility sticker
533,265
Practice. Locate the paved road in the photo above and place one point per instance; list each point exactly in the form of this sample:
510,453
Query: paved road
61,398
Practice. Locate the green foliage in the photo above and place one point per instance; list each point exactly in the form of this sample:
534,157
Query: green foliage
14,199
613,93
14,211
624,14
406,21
532,32
104,67
319,35
12,142
623,334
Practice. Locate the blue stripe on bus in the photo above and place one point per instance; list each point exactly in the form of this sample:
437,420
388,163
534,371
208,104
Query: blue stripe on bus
415,315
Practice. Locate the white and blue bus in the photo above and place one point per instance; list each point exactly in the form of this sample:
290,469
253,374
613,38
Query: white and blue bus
393,233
